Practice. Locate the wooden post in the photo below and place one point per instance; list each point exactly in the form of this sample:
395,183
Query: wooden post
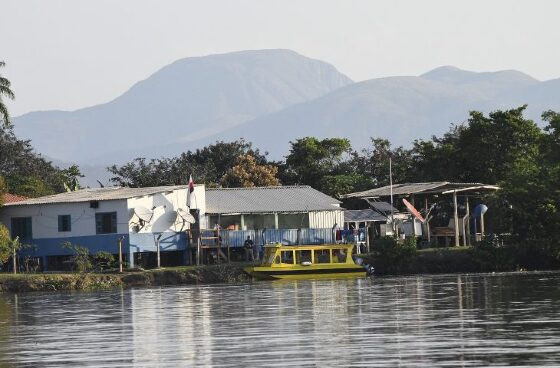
120,255
14,258
427,222
158,255
468,229
367,235
456,218
242,222
276,220
198,251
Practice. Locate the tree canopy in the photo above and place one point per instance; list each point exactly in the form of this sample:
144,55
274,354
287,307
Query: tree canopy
5,91
247,173
207,165
26,172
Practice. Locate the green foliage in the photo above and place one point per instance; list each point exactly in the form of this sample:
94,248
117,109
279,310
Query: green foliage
26,172
311,160
373,162
337,185
103,261
207,165
8,245
5,91
484,150
490,255
71,178
392,257
5,244
80,260
3,189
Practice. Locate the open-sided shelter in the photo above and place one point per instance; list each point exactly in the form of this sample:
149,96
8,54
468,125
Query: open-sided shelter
421,194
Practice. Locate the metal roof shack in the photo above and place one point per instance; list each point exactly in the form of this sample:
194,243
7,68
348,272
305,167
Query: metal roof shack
432,190
96,194
441,187
279,199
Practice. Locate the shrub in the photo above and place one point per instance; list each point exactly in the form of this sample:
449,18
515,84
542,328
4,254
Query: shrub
103,261
392,257
490,255
80,260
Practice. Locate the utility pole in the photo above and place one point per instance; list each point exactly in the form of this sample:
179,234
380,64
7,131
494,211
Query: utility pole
391,189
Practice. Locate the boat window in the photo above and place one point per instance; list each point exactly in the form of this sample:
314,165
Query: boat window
303,256
287,256
338,256
277,260
341,256
268,256
322,256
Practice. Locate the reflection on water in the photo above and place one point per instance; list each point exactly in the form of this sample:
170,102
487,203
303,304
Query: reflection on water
408,321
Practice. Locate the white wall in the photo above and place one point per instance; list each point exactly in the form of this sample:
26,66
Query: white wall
44,218
326,219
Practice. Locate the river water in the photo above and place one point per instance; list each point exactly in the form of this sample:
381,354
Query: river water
430,321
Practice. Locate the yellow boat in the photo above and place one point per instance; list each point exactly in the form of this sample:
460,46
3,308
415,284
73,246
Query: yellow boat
307,261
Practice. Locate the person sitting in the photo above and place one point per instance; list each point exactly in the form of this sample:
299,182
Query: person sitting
341,256
248,245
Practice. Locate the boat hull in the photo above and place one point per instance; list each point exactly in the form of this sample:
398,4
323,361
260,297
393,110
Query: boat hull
271,273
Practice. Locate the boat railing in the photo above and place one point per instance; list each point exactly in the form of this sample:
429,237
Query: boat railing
236,238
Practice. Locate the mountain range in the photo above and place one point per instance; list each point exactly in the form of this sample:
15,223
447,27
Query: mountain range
272,97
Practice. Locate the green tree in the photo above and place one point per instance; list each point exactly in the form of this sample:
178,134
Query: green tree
373,163
207,165
71,178
5,239
531,190
26,172
8,246
484,150
337,185
248,173
5,91
311,159
3,189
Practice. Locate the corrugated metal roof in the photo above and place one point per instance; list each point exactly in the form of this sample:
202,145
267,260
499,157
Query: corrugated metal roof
383,207
415,188
10,198
268,200
363,215
97,194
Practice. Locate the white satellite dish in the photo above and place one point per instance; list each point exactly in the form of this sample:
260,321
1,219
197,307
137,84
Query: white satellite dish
143,213
186,216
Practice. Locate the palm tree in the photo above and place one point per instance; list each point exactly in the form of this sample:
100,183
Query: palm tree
5,91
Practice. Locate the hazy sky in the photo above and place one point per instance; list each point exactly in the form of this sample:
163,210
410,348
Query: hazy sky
67,54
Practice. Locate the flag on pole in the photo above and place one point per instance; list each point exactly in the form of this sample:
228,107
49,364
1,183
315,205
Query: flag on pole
190,191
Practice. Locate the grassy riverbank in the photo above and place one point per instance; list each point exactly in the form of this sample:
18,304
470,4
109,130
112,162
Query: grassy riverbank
93,281
402,259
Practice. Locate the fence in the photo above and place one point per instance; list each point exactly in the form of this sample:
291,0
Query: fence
236,238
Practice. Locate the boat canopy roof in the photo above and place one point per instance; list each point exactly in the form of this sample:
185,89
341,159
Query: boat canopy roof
309,247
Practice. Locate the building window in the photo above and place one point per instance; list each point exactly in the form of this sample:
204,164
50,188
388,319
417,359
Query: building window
106,223
21,227
64,223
